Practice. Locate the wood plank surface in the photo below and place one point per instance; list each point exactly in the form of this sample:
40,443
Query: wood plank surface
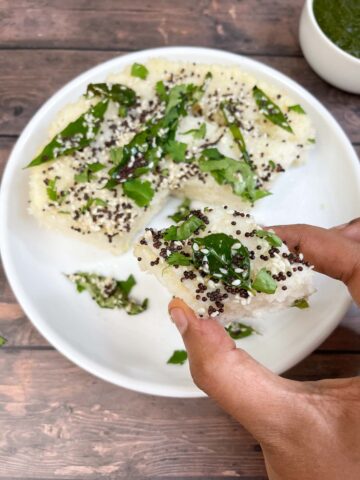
29,78
248,26
50,429
57,421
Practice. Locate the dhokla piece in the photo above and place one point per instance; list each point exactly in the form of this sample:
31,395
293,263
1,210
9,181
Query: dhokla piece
224,265
208,132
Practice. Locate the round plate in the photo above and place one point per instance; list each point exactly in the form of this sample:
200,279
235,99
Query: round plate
133,351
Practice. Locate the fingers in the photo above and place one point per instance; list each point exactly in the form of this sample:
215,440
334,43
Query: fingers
329,251
244,388
350,230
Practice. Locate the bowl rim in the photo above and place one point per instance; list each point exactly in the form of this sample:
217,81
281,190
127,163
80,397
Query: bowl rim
309,6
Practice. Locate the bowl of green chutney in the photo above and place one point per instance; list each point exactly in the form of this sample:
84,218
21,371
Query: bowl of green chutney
329,36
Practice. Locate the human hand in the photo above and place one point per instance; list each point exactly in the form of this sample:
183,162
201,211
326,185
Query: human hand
307,430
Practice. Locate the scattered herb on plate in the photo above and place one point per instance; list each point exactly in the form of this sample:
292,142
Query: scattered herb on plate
109,292
179,357
301,303
2,341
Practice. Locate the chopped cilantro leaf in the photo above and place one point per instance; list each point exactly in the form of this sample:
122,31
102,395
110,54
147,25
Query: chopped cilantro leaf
273,239
179,357
141,192
95,167
161,91
176,150
236,173
301,303
139,70
238,330
177,258
311,140
51,190
264,282
182,211
116,154
184,230
2,341
197,133
297,108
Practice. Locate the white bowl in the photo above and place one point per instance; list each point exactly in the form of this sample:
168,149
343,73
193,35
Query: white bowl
328,60
132,351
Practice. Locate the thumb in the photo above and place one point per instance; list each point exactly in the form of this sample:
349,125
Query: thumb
248,391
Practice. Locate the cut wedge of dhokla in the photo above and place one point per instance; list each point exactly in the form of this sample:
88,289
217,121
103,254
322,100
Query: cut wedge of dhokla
224,265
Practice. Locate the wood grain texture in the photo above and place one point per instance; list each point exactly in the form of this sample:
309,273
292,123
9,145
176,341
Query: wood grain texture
247,26
57,421
109,432
29,78
114,433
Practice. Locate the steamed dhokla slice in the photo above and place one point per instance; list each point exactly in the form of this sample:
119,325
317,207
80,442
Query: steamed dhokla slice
237,137
208,132
222,264
72,190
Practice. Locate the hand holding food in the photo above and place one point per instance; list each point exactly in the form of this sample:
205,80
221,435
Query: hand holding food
308,430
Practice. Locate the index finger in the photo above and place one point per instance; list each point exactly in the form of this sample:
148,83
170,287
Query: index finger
329,251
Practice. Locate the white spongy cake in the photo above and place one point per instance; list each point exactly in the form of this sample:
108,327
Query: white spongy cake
109,218
219,295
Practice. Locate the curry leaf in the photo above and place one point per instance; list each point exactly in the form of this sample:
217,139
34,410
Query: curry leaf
116,92
223,257
270,110
77,135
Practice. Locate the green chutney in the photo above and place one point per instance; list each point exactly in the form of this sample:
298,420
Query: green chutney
340,21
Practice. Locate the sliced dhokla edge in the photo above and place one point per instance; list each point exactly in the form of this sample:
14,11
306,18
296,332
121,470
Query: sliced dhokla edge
211,195
187,283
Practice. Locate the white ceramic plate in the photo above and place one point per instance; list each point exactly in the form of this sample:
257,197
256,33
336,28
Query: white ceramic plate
132,351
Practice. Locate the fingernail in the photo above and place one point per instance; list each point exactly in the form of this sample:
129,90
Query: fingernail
179,318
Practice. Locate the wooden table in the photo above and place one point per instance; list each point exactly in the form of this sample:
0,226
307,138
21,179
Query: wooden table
56,421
